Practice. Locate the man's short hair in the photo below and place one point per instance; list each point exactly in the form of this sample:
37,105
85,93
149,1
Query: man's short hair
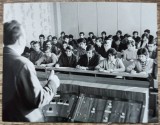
69,47
54,37
94,37
70,36
81,33
66,36
81,40
142,51
147,30
32,42
90,47
112,51
62,32
36,42
90,33
104,32
42,36
119,31
12,32
135,32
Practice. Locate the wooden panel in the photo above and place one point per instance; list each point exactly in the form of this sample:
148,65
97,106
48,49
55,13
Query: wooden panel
69,18
87,17
129,17
107,17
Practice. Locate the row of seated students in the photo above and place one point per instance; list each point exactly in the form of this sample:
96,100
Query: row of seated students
106,54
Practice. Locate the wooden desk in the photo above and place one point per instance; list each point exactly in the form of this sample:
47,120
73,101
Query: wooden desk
90,83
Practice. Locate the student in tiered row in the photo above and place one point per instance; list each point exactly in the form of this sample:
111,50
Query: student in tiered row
36,54
105,47
67,59
93,41
147,32
61,38
90,37
90,60
152,50
142,65
81,50
123,43
72,42
118,35
111,63
137,39
48,59
42,41
144,41
66,39
82,35
64,46
130,54
98,46
56,46
49,37
103,36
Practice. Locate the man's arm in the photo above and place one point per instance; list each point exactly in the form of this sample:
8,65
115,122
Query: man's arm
31,90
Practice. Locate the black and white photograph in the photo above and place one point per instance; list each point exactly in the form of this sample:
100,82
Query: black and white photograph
80,62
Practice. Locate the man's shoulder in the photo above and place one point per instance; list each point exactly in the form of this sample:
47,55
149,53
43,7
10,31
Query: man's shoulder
24,61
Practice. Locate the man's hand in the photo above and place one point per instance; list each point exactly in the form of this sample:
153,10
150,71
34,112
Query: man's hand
54,78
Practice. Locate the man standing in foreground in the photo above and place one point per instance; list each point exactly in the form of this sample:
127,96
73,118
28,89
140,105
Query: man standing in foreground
23,95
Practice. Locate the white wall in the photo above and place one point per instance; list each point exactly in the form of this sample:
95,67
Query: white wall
74,17
109,17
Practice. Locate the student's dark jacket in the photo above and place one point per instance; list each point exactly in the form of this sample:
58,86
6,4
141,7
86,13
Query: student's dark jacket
65,61
94,61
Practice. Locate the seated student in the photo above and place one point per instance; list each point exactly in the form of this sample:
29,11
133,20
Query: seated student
64,46
111,63
136,38
103,36
130,54
82,35
89,60
105,47
152,50
49,37
98,46
48,59
61,38
93,40
142,65
67,59
116,44
36,54
90,37
147,32
110,37
32,47
123,43
118,36
144,41
56,46
81,50
42,41
72,42
66,39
